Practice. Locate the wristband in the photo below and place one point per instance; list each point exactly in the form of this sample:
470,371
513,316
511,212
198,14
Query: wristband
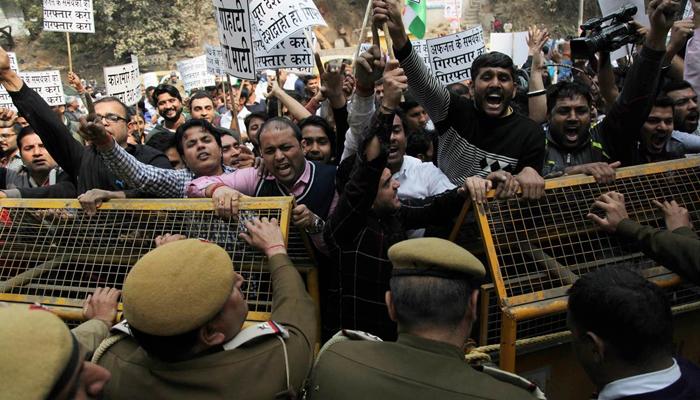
536,93
213,188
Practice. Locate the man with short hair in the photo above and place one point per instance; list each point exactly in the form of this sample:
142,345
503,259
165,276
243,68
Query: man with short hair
197,142
38,170
41,359
168,102
317,139
81,163
202,106
432,296
622,335
253,122
685,106
416,115
185,336
73,109
479,137
288,174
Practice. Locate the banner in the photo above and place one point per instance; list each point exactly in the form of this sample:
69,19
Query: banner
236,37
124,83
5,100
451,56
513,44
292,52
278,19
215,65
194,75
69,16
47,84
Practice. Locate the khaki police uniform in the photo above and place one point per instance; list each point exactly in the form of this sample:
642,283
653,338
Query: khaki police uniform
413,367
255,369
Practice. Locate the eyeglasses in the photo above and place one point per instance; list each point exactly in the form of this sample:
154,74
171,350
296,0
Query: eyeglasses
6,136
110,117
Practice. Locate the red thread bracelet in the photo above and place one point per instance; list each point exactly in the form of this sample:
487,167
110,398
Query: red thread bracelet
214,187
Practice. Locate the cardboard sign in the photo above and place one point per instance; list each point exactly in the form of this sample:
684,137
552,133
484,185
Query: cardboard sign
236,37
69,16
193,72
451,56
124,83
279,19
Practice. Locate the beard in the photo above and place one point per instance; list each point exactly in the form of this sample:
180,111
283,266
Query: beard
178,112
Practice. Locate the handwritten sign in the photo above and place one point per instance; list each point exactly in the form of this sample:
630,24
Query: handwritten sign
47,84
69,16
279,19
5,100
292,52
215,64
194,73
451,56
236,37
124,83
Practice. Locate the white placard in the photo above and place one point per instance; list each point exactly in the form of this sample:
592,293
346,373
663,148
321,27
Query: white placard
513,44
69,16
47,84
215,64
193,72
608,7
150,79
5,100
292,52
451,56
278,19
124,83
236,37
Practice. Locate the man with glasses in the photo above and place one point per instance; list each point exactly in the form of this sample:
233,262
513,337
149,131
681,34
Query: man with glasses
80,162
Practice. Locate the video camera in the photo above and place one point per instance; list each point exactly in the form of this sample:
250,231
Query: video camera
595,37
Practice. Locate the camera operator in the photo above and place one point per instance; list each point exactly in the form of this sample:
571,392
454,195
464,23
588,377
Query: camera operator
573,145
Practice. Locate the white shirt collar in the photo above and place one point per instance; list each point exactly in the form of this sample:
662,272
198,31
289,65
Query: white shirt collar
638,384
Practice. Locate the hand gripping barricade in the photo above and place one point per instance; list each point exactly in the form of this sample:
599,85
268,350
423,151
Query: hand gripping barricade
54,254
537,250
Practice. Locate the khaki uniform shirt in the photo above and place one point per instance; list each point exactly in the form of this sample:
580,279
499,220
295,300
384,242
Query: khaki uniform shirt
410,368
256,370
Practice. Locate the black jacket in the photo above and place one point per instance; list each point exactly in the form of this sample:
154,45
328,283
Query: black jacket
81,163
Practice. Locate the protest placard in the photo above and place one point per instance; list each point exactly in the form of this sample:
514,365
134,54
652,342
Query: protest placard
292,52
236,37
278,19
124,83
150,79
214,62
451,56
688,10
69,16
513,44
47,84
193,72
5,100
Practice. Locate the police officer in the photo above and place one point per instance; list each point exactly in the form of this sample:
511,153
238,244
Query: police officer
432,298
183,336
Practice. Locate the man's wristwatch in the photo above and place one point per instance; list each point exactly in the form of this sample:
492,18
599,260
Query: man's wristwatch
316,226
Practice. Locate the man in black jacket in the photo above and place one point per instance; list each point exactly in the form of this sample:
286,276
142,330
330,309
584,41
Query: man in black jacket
82,163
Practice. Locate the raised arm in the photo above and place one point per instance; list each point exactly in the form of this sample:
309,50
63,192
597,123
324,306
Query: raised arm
424,87
295,108
680,32
606,80
537,99
57,139
620,128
